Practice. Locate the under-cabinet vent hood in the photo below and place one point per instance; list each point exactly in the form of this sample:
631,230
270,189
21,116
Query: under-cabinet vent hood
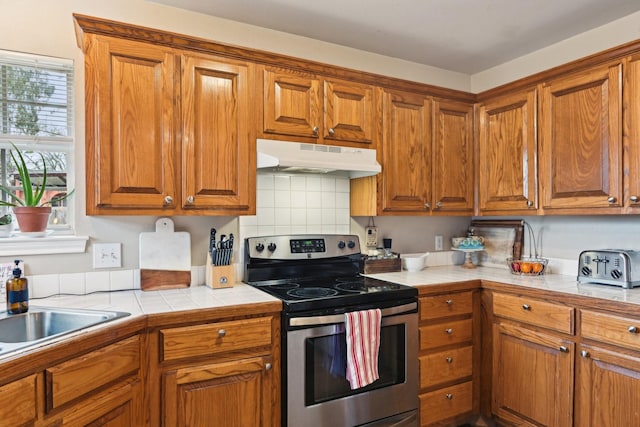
300,157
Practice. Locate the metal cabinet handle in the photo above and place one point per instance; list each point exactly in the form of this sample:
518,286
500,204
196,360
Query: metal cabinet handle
564,349
449,301
427,205
331,131
611,199
449,396
315,130
529,203
168,200
526,307
438,205
584,353
267,367
449,331
190,200
449,359
222,333
633,329
634,199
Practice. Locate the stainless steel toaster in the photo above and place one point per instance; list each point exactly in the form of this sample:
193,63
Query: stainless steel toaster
618,267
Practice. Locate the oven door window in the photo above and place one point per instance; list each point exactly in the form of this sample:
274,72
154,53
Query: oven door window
326,364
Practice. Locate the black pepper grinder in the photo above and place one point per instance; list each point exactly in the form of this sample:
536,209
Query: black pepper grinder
17,292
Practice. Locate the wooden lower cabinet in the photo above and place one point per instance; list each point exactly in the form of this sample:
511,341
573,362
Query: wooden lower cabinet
447,341
232,394
18,402
224,373
532,377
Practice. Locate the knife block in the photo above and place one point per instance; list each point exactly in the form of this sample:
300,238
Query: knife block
219,276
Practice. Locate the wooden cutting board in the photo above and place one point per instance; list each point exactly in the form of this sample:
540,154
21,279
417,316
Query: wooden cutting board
165,257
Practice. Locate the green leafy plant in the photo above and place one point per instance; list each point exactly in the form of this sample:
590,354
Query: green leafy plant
32,193
6,219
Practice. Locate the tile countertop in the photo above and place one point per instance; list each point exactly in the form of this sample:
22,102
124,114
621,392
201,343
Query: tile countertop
140,303
550,282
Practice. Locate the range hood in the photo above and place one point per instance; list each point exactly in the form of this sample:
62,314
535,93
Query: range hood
283,156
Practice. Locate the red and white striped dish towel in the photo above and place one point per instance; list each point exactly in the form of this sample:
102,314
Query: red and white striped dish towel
363,343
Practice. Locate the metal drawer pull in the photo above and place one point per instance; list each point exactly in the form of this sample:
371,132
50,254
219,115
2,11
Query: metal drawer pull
449,302
222,333
315,130
584,353
633,329
267,367
564,349
449,331
449,396
634,199
449,359
526,307
168,200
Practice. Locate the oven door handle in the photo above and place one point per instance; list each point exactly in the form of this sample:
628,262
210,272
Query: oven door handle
339,318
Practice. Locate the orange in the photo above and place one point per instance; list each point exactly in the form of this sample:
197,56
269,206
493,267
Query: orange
537,267
526,267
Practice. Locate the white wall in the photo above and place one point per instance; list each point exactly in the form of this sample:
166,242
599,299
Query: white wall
46,27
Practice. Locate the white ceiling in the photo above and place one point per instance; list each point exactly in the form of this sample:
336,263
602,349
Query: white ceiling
467,36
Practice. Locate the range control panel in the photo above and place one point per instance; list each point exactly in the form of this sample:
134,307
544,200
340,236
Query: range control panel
291,247
616,267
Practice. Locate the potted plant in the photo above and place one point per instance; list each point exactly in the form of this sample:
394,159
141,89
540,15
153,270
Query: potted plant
6,225
31,212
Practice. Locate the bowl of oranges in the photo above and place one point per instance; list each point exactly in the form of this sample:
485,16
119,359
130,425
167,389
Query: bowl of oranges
527,266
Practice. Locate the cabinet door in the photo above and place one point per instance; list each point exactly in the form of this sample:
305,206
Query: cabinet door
218,141
292,104
350,112
608,386
507,154
581,140
19,402
632,133
406,153
116,407
233,394
532,377
452,157
132,155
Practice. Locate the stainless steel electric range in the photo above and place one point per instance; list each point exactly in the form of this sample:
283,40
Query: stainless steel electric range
317,278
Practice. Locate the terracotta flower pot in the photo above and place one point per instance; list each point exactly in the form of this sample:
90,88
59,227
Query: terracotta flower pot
32,219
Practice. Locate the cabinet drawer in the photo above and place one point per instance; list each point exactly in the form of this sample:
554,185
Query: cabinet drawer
619,330
447,333
446,403
445,366
77,377
18,402
446,305
202,340
535,312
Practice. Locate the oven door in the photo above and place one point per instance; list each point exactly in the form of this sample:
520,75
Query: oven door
318,393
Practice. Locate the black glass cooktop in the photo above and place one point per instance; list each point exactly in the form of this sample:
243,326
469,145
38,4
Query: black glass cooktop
312,294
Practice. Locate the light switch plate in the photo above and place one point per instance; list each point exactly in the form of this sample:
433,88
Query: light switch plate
439,242
107,255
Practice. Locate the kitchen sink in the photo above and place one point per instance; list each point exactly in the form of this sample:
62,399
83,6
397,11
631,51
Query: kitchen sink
41,324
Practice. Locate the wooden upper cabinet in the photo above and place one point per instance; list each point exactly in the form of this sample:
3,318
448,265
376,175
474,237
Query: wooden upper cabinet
452,172
507,154
406,153
292,104
631,108
320,110
351,112
217,140
581,141
131,131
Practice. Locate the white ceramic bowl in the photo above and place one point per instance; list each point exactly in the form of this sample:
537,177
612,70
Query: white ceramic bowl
414,262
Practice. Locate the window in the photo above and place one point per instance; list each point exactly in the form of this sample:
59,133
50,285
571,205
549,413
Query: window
36,114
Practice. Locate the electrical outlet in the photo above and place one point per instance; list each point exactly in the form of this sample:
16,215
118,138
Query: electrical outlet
439,242
107,255
372,237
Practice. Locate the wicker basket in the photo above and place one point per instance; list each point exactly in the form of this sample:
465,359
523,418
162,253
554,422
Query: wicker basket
527,266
